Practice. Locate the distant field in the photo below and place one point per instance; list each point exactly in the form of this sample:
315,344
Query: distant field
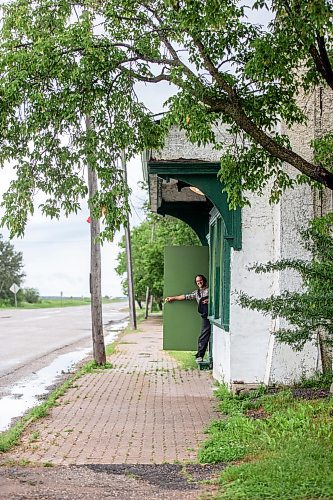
58,302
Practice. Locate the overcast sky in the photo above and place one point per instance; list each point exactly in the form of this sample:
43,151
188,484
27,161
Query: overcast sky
56,254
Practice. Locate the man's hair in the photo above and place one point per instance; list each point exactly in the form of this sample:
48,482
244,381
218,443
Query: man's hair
204,279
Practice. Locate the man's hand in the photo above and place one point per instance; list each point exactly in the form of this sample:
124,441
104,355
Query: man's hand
169,299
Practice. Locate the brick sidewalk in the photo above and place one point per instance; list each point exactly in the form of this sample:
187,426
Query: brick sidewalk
144,410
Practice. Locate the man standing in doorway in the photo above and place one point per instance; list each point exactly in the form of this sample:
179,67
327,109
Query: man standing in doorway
201,296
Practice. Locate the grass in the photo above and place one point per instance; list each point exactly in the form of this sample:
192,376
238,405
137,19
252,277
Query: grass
55,303
298,471
34,436
110,348
287,453
140,313
186,359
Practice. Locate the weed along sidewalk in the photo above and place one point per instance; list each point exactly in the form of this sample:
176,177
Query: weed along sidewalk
145,412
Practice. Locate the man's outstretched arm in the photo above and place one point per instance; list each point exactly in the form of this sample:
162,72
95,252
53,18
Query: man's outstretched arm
175,297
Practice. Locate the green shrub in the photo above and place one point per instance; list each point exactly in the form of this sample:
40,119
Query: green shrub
308,312
31,295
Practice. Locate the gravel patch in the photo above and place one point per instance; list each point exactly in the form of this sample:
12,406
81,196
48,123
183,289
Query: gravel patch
123,482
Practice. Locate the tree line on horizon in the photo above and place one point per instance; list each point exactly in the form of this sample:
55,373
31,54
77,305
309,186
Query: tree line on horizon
11,272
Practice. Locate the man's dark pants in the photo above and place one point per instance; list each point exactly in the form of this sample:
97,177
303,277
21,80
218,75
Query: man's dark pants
203,337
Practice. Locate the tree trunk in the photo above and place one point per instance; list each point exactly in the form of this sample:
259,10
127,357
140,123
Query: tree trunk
147,302
96,295
322,206
325,354
130,281
95,275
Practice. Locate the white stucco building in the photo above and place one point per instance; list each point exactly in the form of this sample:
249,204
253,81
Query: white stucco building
245,350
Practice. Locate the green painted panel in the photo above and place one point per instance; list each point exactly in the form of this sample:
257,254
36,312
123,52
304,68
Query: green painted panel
181,321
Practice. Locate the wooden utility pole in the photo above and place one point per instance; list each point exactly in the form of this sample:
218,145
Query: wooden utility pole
131,298
147,302
147,289
95,272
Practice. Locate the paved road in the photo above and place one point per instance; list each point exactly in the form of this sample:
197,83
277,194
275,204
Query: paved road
31,338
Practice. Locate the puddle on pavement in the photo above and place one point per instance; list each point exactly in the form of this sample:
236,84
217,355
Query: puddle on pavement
29,391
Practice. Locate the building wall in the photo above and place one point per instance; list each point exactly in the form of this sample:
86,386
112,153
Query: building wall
178,147
250,329
269,232
255,355
298,206
221,354
283,363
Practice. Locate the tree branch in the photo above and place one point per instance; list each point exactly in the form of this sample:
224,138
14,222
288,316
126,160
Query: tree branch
213,71
176,60
234,111
158,78
325,62
233,108
319,56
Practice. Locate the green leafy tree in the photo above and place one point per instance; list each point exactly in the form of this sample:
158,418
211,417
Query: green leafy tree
31,295
148,242
63,60
55,72
11,269
310,312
